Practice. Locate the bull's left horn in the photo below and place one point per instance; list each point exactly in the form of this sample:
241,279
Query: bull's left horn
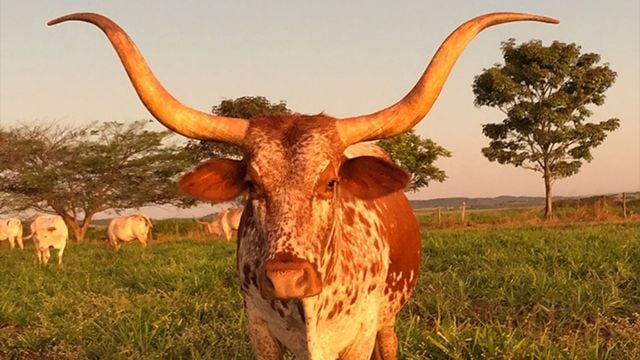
407,112
164,107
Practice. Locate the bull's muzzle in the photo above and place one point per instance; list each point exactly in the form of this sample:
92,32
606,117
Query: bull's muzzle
290,279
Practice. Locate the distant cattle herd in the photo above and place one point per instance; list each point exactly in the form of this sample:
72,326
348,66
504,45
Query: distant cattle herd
50,232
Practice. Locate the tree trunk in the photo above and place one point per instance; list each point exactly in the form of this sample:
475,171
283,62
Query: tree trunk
79,230
78,234
548,205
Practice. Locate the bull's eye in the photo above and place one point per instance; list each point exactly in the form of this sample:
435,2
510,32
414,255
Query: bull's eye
332,184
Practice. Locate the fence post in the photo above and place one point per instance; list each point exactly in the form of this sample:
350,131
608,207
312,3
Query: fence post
624,205
463,211
439,217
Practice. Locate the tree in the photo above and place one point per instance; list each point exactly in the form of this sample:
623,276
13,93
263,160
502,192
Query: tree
246,107
544,91
78,172
416,155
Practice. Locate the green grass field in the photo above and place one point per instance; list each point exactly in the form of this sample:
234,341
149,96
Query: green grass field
569,292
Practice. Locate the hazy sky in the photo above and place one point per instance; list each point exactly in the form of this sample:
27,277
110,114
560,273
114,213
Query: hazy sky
341,57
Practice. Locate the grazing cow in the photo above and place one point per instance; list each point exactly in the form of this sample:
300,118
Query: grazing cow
49,231
11,229
328,247
129,228
224,223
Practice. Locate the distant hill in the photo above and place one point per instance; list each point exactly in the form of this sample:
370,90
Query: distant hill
479,203
632,198
517,201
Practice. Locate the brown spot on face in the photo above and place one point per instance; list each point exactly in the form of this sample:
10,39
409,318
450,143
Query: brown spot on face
348,216
354,299
373,269
363,220
371,288
345,268
337,307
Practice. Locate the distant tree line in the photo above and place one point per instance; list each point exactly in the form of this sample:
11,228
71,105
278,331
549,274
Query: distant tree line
76,172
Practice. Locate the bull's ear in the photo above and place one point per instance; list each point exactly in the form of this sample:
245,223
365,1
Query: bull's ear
215,180
369,177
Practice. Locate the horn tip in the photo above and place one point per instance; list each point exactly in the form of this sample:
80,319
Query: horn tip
55,21
550,20
81,16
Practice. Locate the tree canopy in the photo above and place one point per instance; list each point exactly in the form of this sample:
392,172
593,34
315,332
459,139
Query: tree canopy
544,92
77,172
416,155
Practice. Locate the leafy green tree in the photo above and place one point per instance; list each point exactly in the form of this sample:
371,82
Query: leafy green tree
246,107
544,92
416,155
78,172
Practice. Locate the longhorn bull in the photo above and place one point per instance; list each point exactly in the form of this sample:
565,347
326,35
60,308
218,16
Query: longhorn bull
328,249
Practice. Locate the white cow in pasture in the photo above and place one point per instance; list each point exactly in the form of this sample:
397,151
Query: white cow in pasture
11,229
129,228
224,223
49,231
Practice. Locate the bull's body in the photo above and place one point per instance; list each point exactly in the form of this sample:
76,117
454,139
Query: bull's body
224,223
372,268
11,229
49,232
129,228
328,247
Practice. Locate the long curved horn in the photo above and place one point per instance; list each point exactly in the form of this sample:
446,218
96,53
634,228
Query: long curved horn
407,112
164,107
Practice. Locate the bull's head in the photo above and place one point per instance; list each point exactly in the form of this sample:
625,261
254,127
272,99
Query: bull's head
294,168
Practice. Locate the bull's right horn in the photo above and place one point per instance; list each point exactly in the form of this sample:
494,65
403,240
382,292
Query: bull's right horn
164,107
407,112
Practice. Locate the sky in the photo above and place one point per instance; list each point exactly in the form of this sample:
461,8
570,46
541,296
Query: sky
343,58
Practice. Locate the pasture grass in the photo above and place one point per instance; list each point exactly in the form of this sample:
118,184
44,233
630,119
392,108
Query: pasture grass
569,292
